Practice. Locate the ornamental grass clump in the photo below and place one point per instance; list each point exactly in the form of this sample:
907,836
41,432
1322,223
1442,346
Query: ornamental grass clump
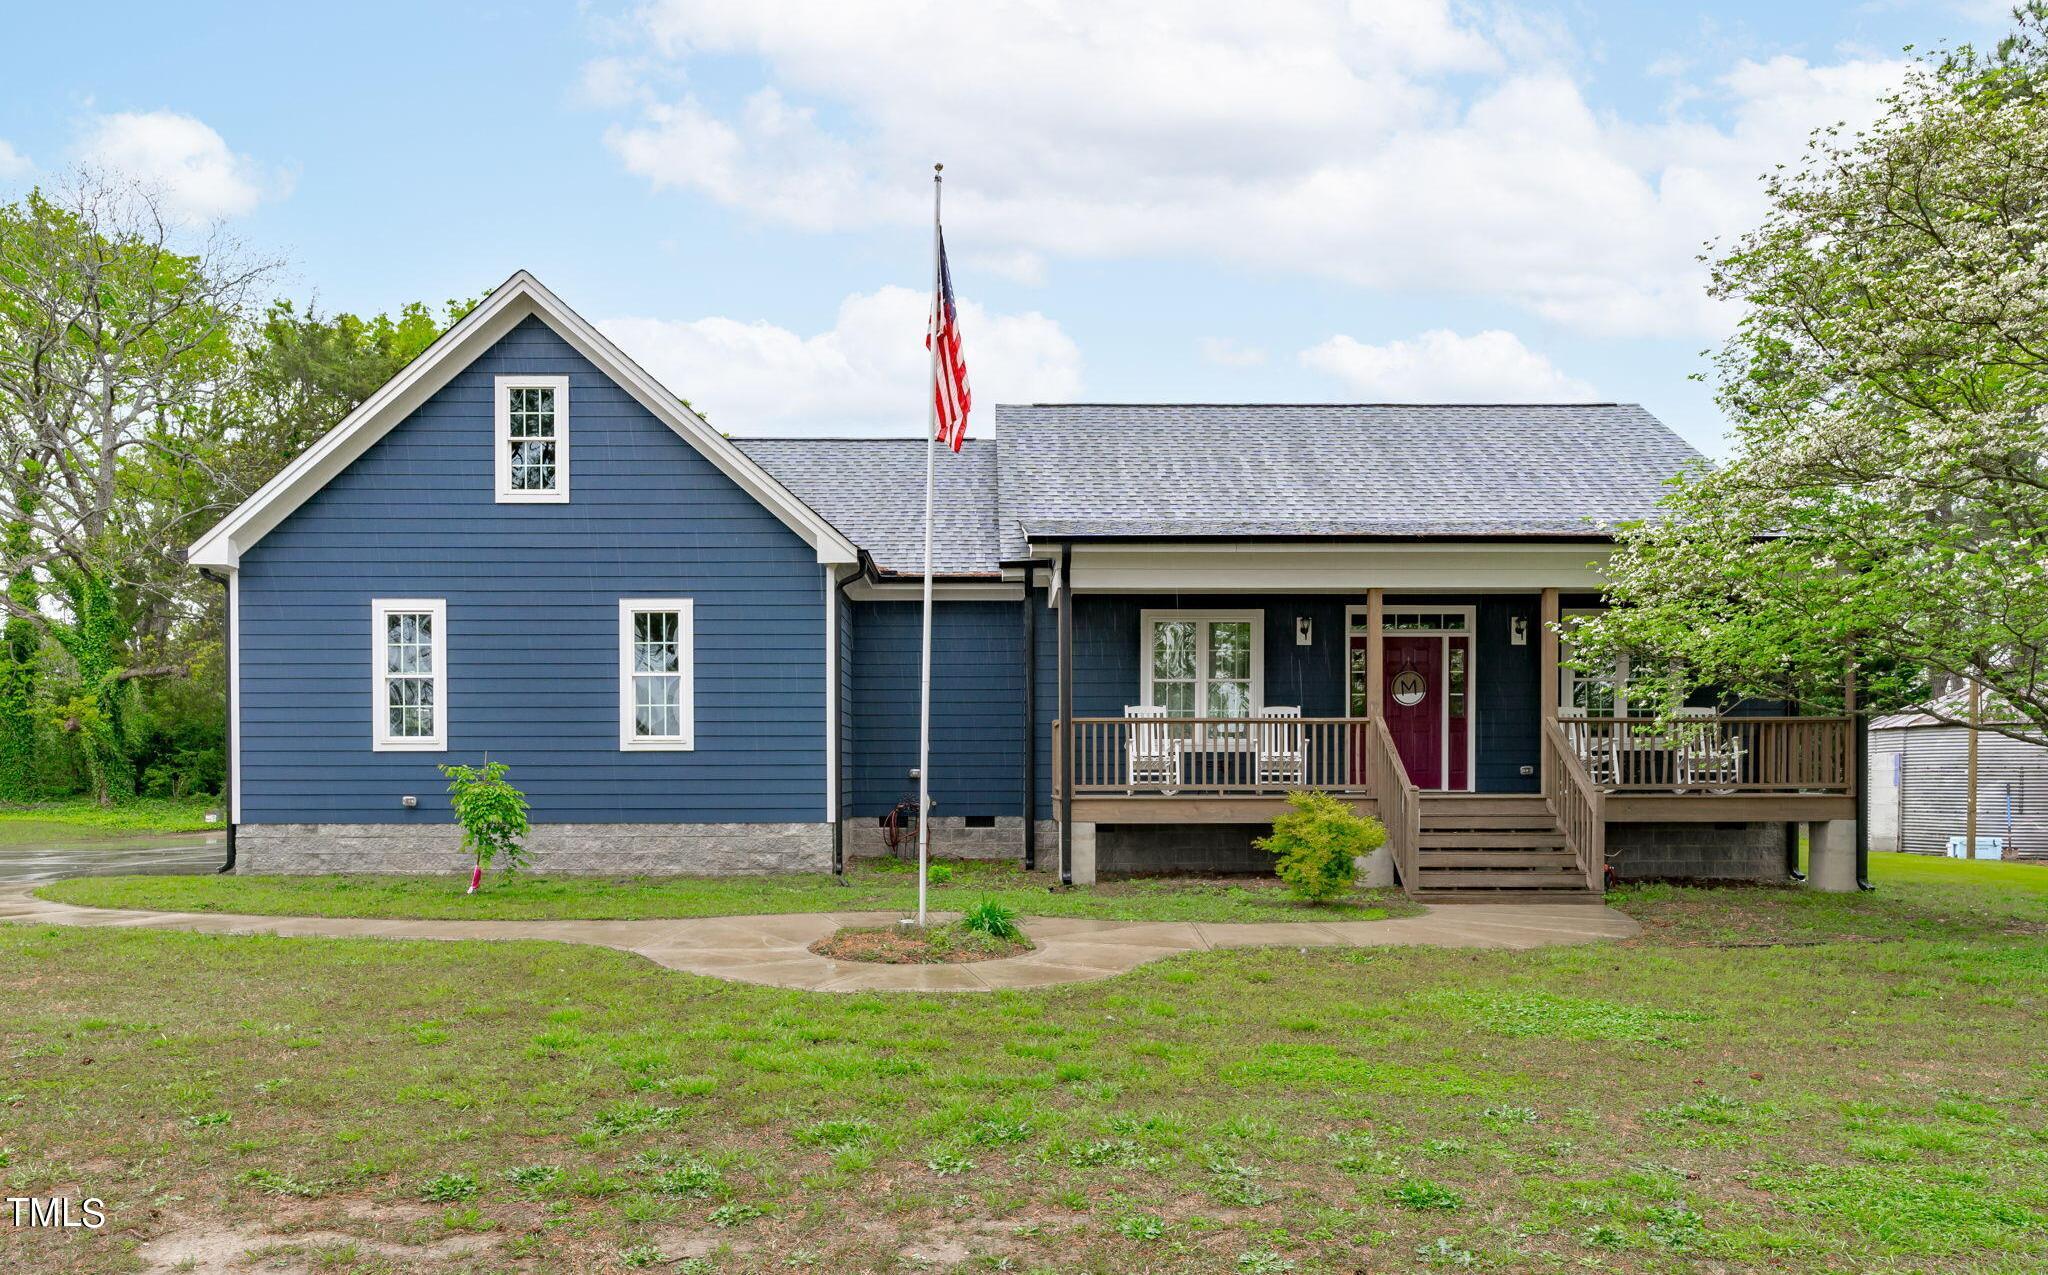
1316,845
492,814
996,919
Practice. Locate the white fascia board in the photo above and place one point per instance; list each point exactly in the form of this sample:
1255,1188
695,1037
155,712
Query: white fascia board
517,298
865,590
1425,566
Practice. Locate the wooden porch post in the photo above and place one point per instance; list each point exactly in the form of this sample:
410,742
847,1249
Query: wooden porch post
1064,739
1546,672
1375,652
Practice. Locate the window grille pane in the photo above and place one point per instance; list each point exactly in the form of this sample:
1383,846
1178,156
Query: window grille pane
657,706
1173,649
533,466
1177,698
1230,699
409,707
1230,650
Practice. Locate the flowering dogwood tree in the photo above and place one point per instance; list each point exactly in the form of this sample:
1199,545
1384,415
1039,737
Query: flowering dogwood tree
1886,504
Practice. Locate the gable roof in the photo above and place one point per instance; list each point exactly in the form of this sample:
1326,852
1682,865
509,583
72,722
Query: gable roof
1356,470
873,490
518,298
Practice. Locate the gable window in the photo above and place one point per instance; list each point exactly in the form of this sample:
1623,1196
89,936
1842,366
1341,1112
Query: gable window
532,439
409,658
1202,663
657,706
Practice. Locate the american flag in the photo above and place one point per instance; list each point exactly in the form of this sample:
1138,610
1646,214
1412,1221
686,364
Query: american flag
949,369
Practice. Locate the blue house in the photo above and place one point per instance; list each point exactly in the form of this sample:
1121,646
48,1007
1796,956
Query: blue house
700,654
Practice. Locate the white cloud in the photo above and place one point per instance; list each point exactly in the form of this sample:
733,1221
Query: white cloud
1224,352
13,163
864,375
1440,366
180,157
1395,146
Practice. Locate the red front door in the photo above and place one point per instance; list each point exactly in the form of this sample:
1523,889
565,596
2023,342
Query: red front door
1414,705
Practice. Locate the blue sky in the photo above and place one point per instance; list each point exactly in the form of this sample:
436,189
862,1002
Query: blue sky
1195,200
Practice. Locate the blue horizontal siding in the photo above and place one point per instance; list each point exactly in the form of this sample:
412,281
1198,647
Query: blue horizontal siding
977,706
1106,670
532,596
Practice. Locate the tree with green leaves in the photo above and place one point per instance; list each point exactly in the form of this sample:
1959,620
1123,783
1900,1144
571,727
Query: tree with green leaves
307,371
117,348
1885,509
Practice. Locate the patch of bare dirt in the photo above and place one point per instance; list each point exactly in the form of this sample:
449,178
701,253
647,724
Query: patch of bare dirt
211,1248
908,945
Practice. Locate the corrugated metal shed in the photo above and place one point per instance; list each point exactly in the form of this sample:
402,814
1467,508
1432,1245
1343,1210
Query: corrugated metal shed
1917,781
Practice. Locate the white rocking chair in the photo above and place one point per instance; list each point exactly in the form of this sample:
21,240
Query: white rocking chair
1282,757
1151,751
1705,756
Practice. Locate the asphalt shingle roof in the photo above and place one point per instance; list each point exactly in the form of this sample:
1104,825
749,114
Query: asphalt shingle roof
1328,470
872,489
1250,470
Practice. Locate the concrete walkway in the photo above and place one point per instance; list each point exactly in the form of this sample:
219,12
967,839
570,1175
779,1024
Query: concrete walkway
775,949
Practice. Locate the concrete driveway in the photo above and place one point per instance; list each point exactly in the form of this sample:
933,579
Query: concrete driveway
34,852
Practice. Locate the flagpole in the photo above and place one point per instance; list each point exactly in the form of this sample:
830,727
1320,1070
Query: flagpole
924,714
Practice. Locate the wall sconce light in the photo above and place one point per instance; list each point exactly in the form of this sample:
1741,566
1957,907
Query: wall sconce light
1304,630
1518,630
409,801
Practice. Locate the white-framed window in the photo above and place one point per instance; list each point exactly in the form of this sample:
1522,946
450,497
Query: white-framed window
657,700
1203,663
409,674
531,439
1602,693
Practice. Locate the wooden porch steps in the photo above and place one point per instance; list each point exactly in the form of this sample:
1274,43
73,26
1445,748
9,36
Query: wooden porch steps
1475,848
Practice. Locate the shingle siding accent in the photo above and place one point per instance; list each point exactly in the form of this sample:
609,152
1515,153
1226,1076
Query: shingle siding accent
532,598
977,693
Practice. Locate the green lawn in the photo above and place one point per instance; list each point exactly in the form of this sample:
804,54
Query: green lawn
1761,1083
869,884
140,814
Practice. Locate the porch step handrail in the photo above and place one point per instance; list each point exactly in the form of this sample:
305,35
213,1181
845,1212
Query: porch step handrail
1715,754
1255,755
1400,801
1577,803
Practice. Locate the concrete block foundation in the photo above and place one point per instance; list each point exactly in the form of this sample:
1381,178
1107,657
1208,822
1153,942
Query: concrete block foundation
607,849
1697,851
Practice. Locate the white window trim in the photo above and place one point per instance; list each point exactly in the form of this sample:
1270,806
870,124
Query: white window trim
501,430
382,740
686,640
1354,625
1147,619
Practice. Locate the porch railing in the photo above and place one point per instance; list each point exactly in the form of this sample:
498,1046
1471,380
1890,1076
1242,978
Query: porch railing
1577,803
1215,756
1717,755
1400,801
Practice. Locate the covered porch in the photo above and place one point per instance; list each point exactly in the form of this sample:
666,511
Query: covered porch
1449,716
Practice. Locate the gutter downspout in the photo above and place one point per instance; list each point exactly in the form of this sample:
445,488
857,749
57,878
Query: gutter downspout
1861,729
228,726
842,616
1030,720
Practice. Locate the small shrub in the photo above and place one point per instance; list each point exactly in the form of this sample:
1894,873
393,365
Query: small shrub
1315,845
991,917
492,814
938,874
